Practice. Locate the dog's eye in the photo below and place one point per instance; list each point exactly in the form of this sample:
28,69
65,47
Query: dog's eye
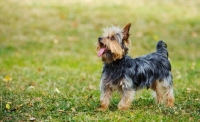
112,38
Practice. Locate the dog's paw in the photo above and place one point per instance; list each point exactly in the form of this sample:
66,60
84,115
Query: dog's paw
123,108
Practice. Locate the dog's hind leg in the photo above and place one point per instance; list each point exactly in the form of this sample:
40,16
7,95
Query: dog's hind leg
164,91
169,97
169,93
157,86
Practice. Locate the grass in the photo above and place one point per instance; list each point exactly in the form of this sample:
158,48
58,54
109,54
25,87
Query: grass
49,69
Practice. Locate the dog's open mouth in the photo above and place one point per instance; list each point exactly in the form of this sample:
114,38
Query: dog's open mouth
101,51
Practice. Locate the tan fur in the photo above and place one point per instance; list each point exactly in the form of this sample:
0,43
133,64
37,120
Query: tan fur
164,94
170,98
105,99
126,100
113,45
115,49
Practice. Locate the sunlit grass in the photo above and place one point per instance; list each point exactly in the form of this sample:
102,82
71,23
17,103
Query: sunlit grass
48,50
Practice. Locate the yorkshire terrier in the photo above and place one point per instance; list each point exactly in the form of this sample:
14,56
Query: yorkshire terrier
127,75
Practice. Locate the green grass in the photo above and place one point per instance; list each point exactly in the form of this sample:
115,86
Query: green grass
48,49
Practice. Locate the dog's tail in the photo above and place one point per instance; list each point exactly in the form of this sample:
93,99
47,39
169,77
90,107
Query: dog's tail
162,48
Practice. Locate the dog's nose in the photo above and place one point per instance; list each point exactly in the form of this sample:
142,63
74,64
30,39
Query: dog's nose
99,39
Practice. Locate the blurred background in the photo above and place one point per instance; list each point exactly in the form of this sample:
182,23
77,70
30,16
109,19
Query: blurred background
50,46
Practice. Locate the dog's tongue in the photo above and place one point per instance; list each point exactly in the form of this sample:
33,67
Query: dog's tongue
101,51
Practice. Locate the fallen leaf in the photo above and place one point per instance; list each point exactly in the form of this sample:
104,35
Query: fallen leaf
49,117
39,69
30,88
30,104
188,89
32,119
19,105
7,78
91,87
60,110
56,90
7,106
73,109
55,41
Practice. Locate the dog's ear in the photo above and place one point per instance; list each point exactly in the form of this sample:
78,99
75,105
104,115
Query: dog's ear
126,31
125,39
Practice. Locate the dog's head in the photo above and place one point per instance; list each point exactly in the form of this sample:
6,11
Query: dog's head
113,44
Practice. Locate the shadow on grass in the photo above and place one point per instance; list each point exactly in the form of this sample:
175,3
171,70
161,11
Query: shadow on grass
93,105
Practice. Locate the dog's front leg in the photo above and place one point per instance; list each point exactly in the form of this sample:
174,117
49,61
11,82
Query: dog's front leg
106,93
105,97
126,99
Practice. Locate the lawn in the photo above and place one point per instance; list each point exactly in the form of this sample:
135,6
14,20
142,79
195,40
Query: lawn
49,69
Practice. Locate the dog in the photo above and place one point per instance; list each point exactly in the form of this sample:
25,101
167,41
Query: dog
127,75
